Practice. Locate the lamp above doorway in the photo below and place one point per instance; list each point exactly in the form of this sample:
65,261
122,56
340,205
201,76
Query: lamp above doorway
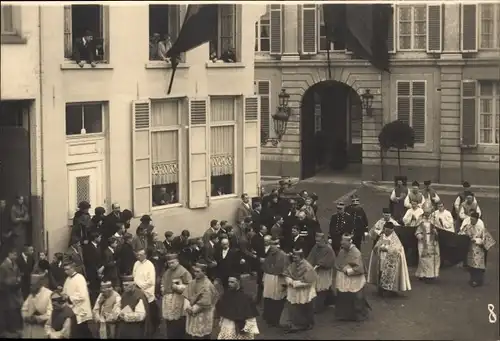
367,99
280,118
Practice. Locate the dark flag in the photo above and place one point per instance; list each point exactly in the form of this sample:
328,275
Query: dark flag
199,26
363,29
406,235
452,247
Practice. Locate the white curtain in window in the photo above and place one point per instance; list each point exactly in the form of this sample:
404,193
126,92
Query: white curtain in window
164,113
222,150
165,157
222,109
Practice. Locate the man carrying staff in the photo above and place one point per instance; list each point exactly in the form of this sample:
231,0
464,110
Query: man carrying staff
351,304
274,266
388,269
173,284
301,281
201,296
322,258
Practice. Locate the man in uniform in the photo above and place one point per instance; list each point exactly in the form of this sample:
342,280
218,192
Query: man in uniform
340,223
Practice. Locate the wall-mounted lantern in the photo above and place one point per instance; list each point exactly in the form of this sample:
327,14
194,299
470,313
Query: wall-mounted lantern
280,119
367,99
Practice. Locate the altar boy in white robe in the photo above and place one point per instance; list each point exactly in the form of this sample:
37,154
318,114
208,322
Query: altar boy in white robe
442,218
37,308
107,310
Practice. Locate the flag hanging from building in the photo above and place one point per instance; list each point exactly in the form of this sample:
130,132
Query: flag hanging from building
363,29
199,26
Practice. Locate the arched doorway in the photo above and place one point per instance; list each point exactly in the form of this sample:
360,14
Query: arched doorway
331,129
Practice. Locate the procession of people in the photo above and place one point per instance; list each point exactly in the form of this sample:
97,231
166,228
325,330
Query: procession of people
114,284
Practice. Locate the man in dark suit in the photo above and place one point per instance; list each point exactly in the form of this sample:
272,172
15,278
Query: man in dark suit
296,241
228,260
181,242
243,211
307,229
84,49
74,255
340,223
257,218
109,261
259,246
168,242
57,276
208,254
92,256
213,229
111,223
26,263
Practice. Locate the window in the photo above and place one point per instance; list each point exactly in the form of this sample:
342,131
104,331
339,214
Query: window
489,112
165,155
411,106
84,118
7,19
164,26
489,27
79,21
222,144
412,27
262,33
322,40
224,47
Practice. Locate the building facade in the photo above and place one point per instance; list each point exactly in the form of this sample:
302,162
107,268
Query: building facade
109,132
444,82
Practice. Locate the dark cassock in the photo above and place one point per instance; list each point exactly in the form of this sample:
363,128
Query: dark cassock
274,293
107,310
351,303
360,221
340,223
300,278
460,198
237,313
388,269
397,199
201,297
173,283
62,321
134,321
322,258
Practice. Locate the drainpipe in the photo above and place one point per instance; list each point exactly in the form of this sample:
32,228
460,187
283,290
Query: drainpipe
40,92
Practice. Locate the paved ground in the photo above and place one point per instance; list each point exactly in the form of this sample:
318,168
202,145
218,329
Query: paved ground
448,309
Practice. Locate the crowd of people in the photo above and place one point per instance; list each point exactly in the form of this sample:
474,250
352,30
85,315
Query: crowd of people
111,283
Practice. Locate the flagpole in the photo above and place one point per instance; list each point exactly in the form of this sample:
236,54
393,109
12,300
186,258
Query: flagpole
175,62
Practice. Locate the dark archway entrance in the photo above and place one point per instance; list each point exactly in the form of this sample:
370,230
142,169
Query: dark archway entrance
331,129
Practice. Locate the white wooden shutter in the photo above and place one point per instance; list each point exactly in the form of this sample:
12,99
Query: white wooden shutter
68,35
469,32
276,29
418,110
434,28
251,146
199,146
391,35
309,30
141,157
468,114
403,101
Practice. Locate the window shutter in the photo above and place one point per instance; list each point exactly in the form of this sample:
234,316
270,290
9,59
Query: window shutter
68,36
251,145
434,29
276,29
391,34
469,28
141,157
403,101
263,91
468,119
418,110
309,29
105,31
198,144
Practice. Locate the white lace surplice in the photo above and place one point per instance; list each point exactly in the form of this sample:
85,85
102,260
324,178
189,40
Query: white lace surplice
344,283
325,278
173,306
228,330
301,295
273,287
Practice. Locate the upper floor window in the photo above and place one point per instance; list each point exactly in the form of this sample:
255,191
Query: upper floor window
489,112
489,26
412,22
323,43
84,118
164,25
7,19
224,46
262,33
85,34
412,106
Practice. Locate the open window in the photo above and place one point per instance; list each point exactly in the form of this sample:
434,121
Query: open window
164,27
226,46
79,22
84,118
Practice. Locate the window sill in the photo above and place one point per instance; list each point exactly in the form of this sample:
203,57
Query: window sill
69,65
165,207
222,197
76,137
13,39
216,65
163,65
